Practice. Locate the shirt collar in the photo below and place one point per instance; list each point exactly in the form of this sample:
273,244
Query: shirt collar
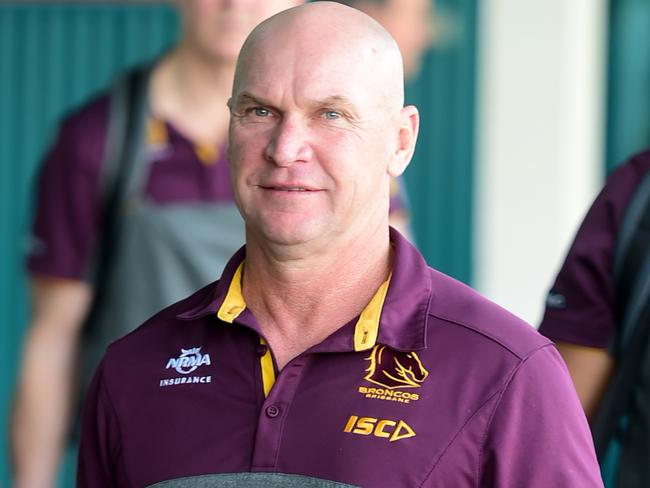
395,316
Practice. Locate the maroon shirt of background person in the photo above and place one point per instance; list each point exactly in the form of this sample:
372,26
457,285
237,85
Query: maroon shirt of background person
454,392
68,220
580,307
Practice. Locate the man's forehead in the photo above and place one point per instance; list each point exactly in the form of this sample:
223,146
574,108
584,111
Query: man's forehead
321,57
314,76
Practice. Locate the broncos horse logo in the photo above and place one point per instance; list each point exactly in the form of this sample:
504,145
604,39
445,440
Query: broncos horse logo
394,369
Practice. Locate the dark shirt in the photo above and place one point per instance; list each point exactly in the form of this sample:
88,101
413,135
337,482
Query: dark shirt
432,386
580,306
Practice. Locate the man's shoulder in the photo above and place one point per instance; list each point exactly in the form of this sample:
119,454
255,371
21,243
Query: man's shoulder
636,167
623,181
461,310
89,118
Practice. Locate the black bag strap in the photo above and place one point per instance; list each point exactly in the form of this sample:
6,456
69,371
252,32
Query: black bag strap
632,244
632,308
127,117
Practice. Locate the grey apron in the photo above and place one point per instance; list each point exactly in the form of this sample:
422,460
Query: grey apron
250,480
160,254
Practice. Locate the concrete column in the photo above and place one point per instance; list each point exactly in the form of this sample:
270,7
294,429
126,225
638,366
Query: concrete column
540,141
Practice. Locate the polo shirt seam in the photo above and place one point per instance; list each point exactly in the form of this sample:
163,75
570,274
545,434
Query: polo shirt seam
460,430
488,425
496,340
109,399
280,435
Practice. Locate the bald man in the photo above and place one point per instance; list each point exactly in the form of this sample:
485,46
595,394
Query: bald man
329,354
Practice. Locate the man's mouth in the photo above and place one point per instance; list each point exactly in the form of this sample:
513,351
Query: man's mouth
288,188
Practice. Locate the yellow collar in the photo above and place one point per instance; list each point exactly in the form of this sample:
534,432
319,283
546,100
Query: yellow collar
365,331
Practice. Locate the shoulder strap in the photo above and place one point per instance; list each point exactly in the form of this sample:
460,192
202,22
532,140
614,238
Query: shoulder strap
128,109
127,114
632,246
632,307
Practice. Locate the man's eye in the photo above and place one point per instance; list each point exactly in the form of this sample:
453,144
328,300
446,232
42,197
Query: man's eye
332,114
261,112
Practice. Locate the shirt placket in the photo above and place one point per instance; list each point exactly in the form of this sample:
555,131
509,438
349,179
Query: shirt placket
273,414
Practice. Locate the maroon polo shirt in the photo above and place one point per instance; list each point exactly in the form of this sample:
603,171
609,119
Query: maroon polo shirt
431,386
580,306
69,207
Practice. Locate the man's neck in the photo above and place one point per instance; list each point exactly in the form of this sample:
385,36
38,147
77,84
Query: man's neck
191,91
300,297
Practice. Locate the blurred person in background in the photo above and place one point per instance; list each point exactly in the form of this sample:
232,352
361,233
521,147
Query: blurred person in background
598,313
134,211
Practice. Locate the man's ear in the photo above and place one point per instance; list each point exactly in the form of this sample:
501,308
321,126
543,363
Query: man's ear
409,124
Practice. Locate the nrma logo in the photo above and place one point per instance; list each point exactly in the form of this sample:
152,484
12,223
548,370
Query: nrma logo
189,360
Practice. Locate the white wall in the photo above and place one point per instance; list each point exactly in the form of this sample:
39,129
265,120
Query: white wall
540,136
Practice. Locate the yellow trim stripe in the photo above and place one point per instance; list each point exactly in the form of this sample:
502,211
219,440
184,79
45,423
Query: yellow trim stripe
156,132
268,372
367,328
234,303
207,152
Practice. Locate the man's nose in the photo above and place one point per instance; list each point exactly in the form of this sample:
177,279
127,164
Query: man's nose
289,143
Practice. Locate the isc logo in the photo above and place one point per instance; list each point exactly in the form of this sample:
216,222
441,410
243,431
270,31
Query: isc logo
388,429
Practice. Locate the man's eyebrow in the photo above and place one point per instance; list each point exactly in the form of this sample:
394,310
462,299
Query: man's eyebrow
338,102
246,97
335,100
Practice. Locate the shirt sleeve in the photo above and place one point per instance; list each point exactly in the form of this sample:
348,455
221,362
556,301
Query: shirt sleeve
100,446
580,305
68,214
538,436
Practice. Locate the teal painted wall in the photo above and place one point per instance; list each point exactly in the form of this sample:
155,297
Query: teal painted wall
440,177
628,94
628,110
55,55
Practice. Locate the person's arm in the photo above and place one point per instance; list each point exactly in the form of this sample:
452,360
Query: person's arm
45,389
591,369
538,436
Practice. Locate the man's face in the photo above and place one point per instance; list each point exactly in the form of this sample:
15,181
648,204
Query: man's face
310,141
217,28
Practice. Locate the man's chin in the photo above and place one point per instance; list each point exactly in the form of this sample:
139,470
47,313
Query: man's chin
289,234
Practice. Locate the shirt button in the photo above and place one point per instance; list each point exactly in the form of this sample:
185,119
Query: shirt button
272,411
261,350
